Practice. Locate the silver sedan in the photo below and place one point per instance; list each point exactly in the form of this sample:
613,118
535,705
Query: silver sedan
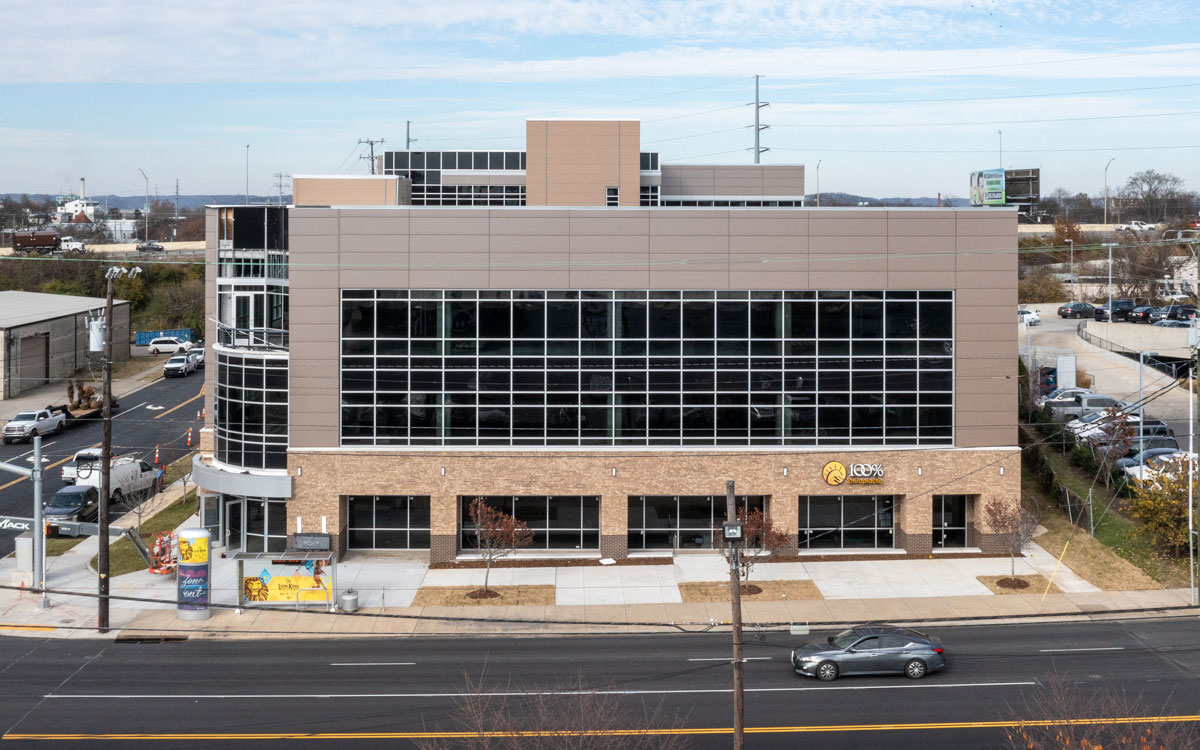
871,649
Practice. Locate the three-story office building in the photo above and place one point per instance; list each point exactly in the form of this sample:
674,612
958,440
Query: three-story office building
596,342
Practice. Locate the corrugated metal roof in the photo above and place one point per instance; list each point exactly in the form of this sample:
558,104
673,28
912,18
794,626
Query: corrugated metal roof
23,308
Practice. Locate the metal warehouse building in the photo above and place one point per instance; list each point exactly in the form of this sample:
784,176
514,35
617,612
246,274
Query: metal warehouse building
46,337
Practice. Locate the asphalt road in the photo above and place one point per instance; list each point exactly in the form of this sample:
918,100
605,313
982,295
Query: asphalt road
369,693
146,418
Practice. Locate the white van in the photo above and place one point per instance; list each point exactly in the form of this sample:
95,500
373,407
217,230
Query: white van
130,478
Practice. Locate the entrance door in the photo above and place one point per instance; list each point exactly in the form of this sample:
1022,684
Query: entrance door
233,525
949,521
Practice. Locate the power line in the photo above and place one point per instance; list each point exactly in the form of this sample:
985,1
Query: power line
981,122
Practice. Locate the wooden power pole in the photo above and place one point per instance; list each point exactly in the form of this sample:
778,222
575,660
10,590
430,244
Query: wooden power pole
733,538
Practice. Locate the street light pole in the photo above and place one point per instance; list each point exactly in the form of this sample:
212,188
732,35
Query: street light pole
1072,243
1141,407
1000,133
146,216
818,183
1110,161
111,276
1110,246
735,622
247,174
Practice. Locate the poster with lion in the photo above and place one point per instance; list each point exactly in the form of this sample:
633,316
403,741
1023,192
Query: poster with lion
303,583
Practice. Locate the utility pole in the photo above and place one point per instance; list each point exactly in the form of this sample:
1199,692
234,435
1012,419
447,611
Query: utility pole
175,227
370,143
758,105
146,215
1106,166
279,179
106,450
733,536
247,174
1110,246
408,139
818,183
1072,268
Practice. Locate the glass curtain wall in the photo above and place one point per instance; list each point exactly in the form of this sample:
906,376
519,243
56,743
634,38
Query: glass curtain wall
558,522
681,521
847,521
603,367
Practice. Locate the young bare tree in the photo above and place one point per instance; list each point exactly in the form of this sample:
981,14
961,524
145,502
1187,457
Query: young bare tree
569,715
1014,525
760,539
497,535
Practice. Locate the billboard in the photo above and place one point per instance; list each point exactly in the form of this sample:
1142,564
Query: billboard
987,187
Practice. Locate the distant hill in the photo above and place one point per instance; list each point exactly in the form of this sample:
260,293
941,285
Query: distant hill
850,199
130,202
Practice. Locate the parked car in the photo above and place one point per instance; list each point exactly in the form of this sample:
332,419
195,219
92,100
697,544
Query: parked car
1120,310
1029,317
1059,396
169,345
1157,314
197,356
1098,435
149,247
1141,314
74,502
1168,462
1147,452
179,366
1172,324
1077,310
1080,425
1087,403
84,460
1180,312
870,649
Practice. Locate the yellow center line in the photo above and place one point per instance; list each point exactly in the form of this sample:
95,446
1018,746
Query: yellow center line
928,726
185,403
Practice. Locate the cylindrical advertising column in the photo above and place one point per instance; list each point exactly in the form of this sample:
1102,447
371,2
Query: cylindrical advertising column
193,575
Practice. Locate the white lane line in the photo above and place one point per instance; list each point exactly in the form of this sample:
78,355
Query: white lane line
730,658
28,455
1096,648
373,664
130,409
260,696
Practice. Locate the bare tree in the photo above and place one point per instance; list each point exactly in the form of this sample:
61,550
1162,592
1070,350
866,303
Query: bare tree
1155,194
1014,525
1068,716
497,535
760,538
571,715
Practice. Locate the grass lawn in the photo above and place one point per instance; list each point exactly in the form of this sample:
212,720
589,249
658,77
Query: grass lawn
456,596
124,558
176,470
1034,584
767,591
1117,559
56,545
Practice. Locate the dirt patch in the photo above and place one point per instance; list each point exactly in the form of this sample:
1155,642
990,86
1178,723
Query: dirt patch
472,596
1024,584
767,591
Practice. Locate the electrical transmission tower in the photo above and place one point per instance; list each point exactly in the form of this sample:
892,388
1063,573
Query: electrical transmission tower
281,179
758,105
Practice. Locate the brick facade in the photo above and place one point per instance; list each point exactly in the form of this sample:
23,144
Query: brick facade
330,475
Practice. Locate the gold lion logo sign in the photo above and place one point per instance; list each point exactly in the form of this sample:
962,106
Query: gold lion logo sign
834,473
254,590
185,550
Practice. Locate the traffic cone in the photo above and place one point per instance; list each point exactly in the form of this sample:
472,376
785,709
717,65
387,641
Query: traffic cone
189,437
197,414
156,455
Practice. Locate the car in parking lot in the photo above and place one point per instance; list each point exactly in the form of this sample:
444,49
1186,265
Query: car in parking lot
1029,317
870,649
1172,324
1059,397
1149,448
1084,404
149,247
1181,312
1120,310
1157,314
1105,434
1077,310
169,345
1142,313
1166,463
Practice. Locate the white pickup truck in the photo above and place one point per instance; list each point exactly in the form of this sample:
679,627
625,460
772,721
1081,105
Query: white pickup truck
1134,226
29,424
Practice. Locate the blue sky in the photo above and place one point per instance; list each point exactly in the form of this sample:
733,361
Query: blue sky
895,98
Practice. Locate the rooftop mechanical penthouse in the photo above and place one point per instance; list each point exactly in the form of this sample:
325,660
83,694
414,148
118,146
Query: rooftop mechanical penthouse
596,342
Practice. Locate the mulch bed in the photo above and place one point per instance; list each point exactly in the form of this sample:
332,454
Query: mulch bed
576,562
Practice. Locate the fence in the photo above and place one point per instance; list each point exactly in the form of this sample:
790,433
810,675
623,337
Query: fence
1078,509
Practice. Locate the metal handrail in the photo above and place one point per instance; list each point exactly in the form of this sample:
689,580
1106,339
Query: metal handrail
274,339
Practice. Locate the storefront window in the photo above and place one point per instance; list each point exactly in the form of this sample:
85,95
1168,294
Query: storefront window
847,521
558,522
387,521
681,521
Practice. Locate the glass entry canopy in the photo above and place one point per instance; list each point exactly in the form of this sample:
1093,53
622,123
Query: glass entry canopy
681,521
847,521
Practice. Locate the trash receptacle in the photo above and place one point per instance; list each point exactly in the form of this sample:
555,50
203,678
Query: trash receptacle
350,600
